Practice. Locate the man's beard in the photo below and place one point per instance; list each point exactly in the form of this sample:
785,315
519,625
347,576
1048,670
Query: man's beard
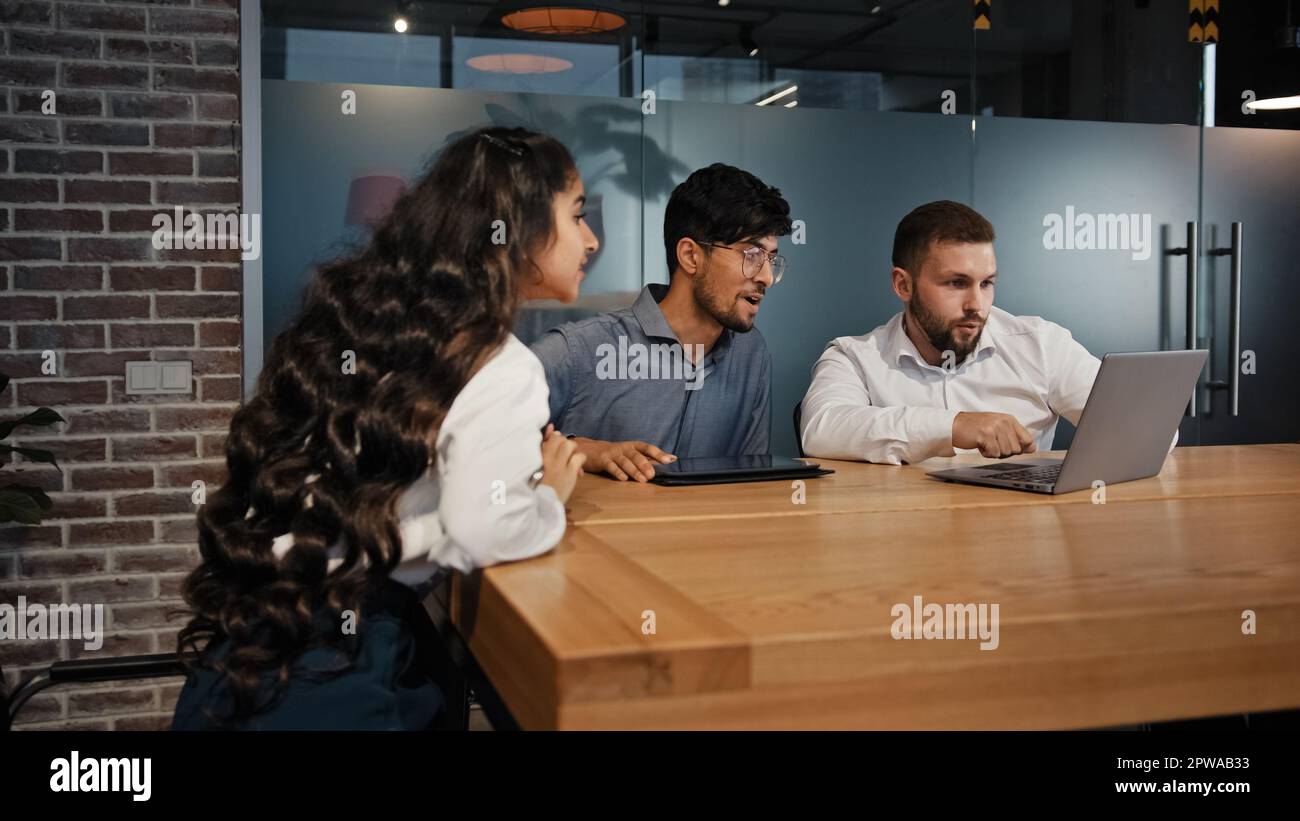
939,332
728,316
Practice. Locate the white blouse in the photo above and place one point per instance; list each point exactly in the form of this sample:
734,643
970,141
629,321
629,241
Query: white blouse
478,505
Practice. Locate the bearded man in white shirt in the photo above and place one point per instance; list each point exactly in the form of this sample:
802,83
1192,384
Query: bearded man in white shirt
949,372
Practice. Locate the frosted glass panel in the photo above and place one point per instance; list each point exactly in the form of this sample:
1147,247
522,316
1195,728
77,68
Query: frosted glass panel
312,152
1252,176
1123,294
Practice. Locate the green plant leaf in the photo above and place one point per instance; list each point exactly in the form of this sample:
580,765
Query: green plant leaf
41,416
34,454
17,506
35,493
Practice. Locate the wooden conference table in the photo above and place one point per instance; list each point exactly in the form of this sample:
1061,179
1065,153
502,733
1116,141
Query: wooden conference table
772,609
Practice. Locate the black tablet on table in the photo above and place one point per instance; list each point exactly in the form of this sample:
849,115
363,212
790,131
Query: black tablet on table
715,470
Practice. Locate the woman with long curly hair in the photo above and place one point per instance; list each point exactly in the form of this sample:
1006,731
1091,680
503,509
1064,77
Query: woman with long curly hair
396,429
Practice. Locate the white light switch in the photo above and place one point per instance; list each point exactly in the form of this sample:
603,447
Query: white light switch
141,377
175,376
158,377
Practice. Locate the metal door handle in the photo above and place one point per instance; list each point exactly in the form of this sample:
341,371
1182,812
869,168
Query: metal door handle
1191,251
1233,385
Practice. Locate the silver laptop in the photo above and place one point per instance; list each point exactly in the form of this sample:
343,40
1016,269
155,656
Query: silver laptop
1136,403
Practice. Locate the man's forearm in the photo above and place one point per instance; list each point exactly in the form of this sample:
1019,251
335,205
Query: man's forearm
884,435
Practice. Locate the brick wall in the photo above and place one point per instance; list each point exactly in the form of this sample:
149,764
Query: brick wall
146,119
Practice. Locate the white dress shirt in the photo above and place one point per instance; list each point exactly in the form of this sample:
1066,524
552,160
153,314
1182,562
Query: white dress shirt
477,505
874,398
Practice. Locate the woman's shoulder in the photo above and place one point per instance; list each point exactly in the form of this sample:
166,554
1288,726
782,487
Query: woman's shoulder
511,363
513,375
514,354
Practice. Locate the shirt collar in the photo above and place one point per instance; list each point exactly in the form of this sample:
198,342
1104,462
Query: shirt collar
654,324
647,313
901,345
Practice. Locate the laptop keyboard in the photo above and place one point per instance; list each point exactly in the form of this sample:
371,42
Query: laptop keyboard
1047,474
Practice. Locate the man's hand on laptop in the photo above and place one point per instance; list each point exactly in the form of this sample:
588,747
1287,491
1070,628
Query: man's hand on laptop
622,460
995,434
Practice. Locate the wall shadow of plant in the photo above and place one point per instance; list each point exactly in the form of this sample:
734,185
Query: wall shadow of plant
19,502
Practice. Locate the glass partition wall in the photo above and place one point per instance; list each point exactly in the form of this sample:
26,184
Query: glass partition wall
1096,136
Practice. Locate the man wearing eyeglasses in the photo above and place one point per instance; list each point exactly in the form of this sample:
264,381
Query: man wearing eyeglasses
682,372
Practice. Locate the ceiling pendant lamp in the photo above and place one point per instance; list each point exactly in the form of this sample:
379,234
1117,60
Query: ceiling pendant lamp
563,21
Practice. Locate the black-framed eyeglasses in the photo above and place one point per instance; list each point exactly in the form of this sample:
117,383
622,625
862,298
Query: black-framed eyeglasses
754,257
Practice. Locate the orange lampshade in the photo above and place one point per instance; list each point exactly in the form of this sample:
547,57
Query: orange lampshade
563,20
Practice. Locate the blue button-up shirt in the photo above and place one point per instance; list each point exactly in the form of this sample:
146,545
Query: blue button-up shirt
622,375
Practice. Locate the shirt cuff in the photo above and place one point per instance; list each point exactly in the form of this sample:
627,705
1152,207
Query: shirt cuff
552,511
930,433
549,498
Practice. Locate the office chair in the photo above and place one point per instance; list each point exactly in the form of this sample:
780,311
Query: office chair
449,661
82,671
